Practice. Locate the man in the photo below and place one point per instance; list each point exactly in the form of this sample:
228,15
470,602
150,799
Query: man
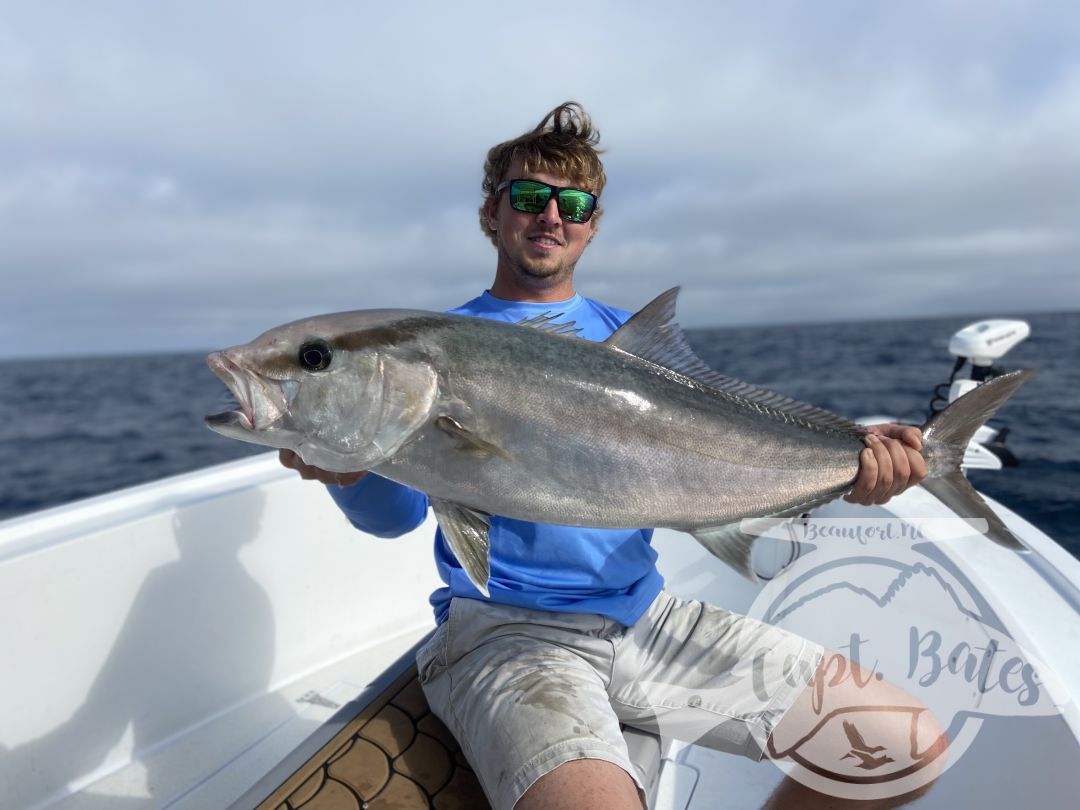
535,680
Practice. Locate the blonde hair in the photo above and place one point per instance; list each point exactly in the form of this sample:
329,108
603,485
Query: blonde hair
564,143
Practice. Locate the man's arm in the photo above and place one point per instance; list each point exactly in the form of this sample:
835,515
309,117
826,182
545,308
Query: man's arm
371,503
890,464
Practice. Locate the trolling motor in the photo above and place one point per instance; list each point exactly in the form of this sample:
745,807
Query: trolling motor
981,344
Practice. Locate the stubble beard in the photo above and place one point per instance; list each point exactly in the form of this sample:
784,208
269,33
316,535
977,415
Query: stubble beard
537,275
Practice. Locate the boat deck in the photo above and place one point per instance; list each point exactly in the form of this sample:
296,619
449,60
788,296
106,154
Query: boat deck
385,750
219,639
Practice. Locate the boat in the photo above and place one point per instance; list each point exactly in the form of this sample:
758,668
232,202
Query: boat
225,638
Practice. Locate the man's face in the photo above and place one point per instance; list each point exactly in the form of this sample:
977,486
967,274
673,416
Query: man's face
537,251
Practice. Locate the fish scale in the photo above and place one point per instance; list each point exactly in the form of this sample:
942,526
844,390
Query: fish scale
678,452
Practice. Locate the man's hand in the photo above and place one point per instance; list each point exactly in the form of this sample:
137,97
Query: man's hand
289,459
890,464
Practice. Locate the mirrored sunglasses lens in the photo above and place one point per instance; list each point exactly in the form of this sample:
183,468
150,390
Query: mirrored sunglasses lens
529,197
577,206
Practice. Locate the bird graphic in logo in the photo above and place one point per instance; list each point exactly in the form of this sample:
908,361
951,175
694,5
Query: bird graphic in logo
860,750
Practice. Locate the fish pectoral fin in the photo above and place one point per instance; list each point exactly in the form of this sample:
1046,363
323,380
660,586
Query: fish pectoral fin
469,441
731,544
466,530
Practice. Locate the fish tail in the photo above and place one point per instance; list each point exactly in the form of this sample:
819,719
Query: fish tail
945,438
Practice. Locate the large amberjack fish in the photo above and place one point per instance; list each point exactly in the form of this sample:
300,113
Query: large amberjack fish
525,421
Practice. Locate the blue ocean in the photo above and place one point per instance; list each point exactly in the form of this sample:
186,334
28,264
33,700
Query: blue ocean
72,428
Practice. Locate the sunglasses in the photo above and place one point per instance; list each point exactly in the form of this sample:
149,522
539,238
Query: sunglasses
532,196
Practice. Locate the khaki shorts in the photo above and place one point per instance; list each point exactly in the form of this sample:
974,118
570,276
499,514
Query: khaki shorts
525,691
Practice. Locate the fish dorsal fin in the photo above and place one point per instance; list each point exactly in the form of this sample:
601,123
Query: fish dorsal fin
544,324
653,335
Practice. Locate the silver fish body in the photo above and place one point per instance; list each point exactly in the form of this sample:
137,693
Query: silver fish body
587,436
517,420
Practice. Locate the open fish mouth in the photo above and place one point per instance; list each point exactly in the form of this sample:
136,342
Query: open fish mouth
261,402
227,409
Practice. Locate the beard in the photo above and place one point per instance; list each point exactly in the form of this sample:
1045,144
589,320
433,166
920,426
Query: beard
537,273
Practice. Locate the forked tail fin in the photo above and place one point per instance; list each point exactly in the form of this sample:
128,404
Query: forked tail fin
945,438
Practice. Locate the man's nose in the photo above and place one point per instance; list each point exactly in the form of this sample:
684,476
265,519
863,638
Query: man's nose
550,214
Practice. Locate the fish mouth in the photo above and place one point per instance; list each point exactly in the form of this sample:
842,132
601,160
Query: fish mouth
262,402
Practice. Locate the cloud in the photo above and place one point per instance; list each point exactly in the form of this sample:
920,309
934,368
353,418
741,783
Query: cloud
186,175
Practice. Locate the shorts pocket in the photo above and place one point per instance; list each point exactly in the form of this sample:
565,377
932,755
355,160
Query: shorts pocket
431,658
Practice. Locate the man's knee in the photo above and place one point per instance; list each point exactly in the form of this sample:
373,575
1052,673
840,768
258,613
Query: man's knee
936,754
849,722
580,784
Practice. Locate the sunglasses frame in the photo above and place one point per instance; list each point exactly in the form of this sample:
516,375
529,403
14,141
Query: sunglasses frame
554,192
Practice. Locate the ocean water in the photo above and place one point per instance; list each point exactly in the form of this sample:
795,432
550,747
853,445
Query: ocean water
71,428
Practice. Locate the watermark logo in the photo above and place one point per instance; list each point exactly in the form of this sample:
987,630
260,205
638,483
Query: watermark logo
914,656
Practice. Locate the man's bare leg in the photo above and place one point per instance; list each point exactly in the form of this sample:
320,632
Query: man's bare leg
583,784
884,720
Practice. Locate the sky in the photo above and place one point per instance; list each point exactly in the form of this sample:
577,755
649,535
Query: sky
185,175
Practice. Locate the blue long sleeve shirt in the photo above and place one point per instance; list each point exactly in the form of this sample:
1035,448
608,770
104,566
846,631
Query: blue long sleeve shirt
611,572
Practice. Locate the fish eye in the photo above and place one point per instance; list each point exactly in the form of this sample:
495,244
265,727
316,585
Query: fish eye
315,355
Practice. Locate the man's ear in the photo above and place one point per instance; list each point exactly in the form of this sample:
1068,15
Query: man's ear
491,212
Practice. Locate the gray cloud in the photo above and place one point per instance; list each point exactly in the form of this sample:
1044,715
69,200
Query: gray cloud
183,176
